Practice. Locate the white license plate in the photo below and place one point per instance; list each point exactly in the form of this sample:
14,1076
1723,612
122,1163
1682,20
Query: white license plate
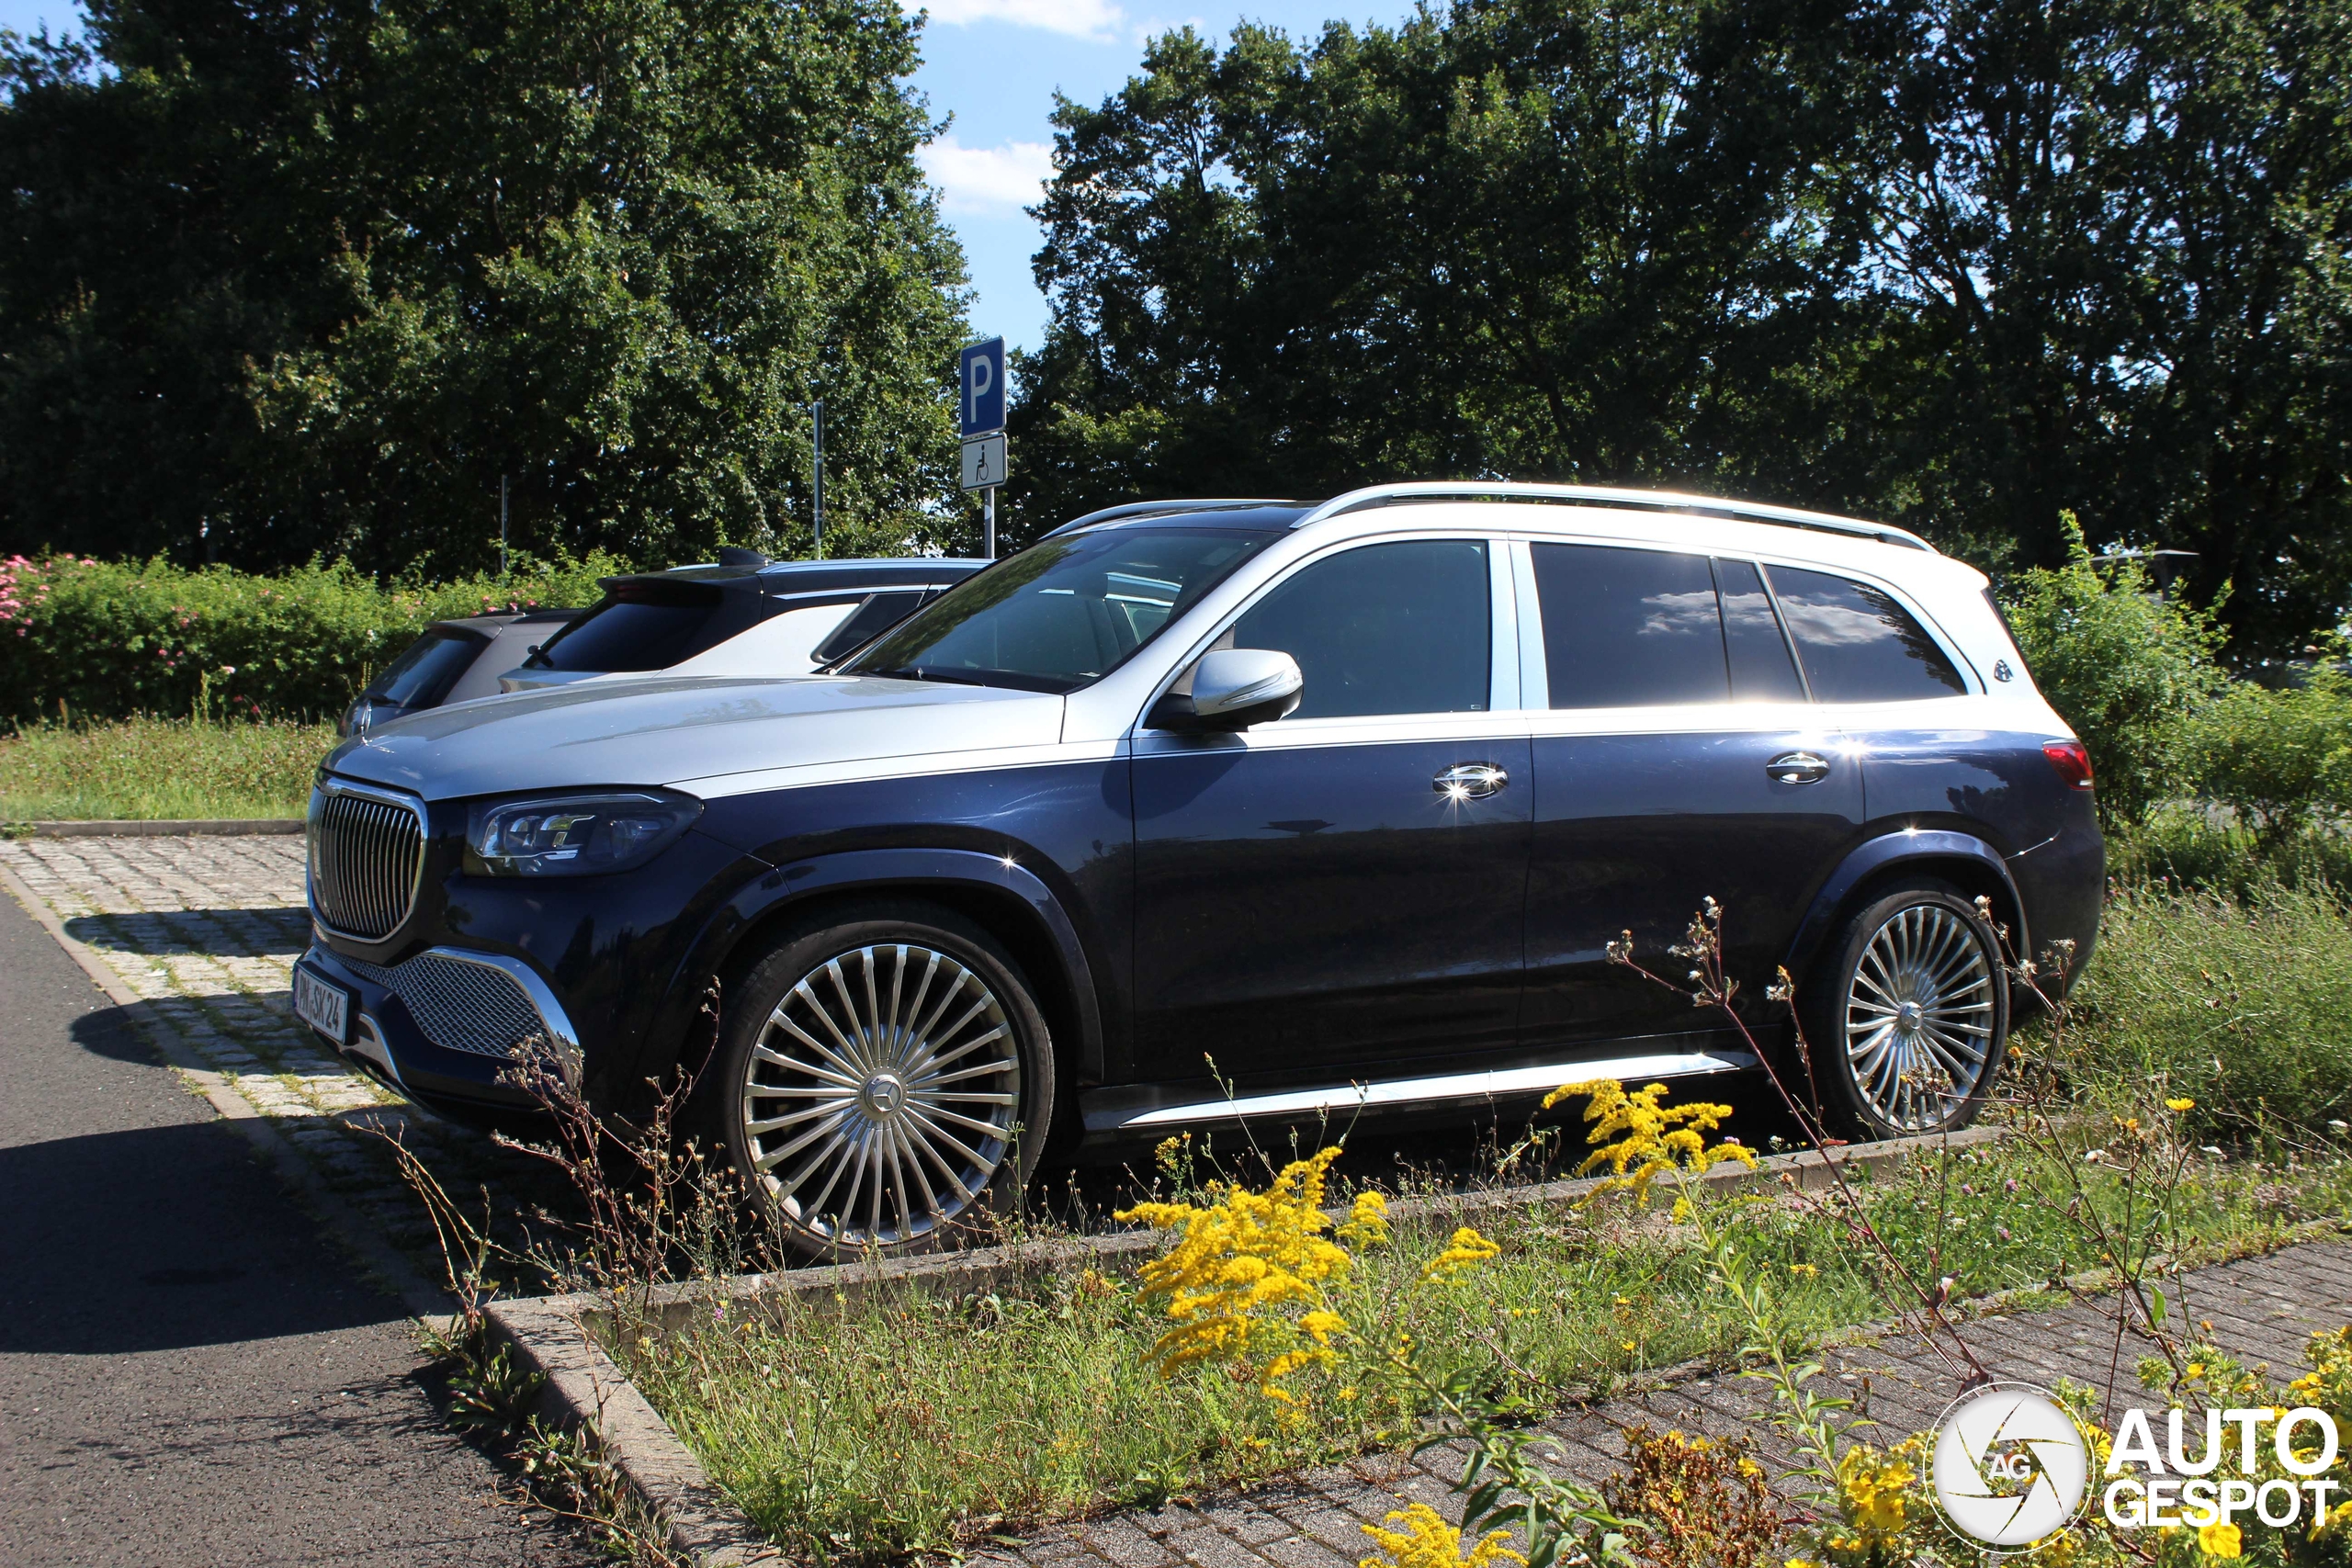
322,1004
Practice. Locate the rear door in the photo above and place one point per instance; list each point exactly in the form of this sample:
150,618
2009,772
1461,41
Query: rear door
1315,902
1676,758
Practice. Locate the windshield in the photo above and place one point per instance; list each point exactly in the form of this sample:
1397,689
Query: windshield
1062,613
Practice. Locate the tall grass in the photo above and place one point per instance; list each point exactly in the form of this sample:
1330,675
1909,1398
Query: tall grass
159,768
2243,1004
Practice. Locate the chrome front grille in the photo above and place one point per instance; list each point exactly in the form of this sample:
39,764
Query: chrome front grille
367,856
459,1005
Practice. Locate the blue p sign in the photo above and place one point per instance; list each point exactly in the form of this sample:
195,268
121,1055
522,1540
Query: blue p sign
982,399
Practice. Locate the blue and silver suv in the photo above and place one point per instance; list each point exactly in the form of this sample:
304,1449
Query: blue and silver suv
1350,799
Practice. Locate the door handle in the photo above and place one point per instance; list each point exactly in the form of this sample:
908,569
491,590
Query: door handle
1470,780
1797,768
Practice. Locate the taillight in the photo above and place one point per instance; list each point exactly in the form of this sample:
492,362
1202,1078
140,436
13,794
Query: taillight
2071,760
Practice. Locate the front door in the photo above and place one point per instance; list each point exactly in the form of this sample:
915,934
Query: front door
1680,760
1330,896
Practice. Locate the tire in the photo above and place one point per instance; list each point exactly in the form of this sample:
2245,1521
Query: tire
1908,1015
881,1081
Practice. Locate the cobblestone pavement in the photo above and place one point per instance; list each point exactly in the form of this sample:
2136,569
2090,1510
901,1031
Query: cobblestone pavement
2263,1310
206,931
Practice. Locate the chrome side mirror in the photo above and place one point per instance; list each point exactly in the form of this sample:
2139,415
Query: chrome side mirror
1233,689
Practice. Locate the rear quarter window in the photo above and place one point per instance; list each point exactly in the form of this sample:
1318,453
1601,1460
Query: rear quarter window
421,677
654,632
1858,645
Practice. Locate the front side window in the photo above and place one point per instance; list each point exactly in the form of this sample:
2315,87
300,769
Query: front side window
1396,629
1858,644
1629,629
1064,612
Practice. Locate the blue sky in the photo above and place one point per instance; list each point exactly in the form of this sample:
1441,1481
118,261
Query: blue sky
994,66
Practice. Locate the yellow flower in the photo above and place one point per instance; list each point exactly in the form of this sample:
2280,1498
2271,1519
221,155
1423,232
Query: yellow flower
1428,1541
2217,1540
1809,1270
1236,1264
2183,1104
1876,1491
1649,1137
1464,1252
1367,1222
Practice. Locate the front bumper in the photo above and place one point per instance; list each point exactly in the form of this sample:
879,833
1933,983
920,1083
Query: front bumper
454,1026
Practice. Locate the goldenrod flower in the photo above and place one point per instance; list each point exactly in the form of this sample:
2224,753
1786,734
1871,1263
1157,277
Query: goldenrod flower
1466,1251
1428,1541
1651,1138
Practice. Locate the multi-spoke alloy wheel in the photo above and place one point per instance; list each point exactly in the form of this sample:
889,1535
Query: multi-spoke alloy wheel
882,1095
1920,1017
1910,1017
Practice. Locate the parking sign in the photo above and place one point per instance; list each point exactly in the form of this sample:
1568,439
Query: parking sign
982,403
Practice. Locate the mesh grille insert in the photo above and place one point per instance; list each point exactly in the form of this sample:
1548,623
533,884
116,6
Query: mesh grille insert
460,1006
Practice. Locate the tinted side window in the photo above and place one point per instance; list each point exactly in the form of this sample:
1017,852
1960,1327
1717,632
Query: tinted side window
1385,629
1859,645
1761,670
421,677
1629,629
871,619
623,635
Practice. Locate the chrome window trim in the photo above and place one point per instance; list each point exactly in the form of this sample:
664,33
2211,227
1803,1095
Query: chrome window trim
1290,564
1534,666
333,785
1502,658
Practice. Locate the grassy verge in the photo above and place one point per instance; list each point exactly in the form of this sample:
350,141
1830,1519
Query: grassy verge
151,769
914,1425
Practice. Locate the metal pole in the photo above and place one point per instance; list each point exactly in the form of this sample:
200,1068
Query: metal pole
988,523
501,525
818,412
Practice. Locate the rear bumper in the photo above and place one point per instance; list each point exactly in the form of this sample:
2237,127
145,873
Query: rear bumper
453,1026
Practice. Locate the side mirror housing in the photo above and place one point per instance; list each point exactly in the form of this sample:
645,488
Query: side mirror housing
1233,689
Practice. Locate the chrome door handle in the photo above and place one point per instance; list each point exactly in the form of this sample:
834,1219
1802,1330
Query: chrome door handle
1797,767
1470,780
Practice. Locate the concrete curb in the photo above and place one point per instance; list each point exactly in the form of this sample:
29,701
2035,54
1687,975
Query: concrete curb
418,1296
557,1336
220,828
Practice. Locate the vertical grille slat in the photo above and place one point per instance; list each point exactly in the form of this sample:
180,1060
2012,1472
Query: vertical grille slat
368,854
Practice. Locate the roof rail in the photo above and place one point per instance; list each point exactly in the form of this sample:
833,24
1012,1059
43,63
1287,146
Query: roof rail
1424,490
1164,509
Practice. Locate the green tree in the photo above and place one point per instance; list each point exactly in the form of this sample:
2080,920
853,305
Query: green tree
313,278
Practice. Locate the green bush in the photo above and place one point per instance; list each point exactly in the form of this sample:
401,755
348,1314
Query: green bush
2125,668
89,639
2281,759
2190,845
2245,1007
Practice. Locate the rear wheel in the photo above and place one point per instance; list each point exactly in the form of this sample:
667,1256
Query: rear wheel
1908,1015
882,1081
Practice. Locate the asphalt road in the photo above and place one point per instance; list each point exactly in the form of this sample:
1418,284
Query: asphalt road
189,1373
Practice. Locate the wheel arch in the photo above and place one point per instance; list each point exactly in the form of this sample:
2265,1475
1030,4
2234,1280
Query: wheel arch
1003,897
1962,859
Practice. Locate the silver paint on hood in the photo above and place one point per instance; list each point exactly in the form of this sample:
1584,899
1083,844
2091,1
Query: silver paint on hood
667,730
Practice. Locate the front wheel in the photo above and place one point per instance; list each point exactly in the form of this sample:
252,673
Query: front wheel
1908,1015
881,1081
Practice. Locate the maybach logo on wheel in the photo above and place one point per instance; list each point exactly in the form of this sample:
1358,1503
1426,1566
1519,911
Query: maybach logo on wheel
2010,1467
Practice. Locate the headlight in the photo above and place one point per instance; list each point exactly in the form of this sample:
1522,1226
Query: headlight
573,835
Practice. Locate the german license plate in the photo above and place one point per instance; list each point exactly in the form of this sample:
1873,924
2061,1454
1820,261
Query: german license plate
322,1004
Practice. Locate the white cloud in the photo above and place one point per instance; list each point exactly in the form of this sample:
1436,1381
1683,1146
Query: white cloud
992,180
1080,18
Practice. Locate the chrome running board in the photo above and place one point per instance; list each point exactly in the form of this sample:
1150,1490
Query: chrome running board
1507,1083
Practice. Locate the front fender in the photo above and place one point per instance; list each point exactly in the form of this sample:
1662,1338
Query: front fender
796,882
1897,849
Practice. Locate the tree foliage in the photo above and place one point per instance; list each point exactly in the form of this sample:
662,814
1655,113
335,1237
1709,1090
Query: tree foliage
1964,265
312,278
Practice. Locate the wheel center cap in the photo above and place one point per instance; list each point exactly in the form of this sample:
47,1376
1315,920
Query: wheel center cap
1910,1015
883,1094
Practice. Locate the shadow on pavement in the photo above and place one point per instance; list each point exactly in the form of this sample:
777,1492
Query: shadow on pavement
220,934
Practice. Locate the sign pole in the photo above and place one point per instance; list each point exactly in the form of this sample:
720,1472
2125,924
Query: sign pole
817,413
988,523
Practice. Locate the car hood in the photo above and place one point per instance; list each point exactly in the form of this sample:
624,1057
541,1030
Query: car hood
670,731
